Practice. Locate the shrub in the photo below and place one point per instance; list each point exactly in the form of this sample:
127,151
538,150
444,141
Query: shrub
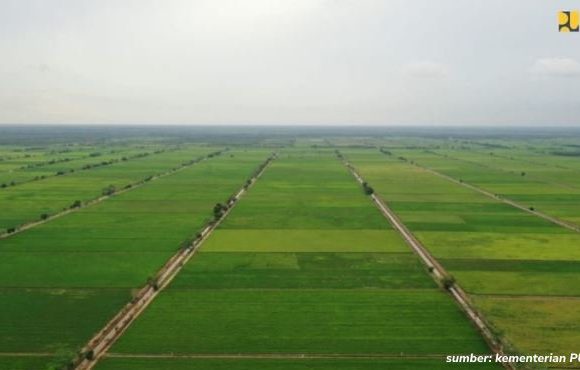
448,282
109,190
367,188
90,355
219,210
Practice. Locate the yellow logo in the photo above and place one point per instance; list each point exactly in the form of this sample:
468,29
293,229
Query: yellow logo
568,21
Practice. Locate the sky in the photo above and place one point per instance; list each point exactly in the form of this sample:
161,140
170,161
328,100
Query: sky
288,62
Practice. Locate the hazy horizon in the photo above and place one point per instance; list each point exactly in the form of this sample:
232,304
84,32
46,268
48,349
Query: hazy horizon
344,63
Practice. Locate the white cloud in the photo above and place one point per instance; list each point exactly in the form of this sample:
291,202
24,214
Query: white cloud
426,69
556,67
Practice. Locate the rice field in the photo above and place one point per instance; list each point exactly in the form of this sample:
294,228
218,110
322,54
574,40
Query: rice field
521,271
333,278
304,271
61,281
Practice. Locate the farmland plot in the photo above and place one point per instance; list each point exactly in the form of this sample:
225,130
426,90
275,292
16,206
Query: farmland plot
61,281
520,270
304,265
24,170
543,184
27,202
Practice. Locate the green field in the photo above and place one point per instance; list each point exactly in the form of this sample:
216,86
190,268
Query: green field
505,258
304,272
268,364
544,181
28,201
60,282
331,278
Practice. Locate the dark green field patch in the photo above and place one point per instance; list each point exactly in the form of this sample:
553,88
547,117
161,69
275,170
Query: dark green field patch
50,320
78,269
24,362
512,265
303,270
291,364
275,216
298,321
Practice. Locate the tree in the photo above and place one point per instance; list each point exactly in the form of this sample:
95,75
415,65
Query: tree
76,204
386,152
153,283
90,355
367,188
44,216
219,210
109,190
448,282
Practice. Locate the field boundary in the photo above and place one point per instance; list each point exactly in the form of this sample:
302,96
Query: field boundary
276,356
438,271
104,339
99,199
502,199
504,170
110,162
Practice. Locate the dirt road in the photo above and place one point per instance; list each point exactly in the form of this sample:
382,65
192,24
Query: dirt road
512,203
437,270
103,340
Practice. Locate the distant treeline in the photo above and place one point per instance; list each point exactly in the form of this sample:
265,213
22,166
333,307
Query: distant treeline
243,135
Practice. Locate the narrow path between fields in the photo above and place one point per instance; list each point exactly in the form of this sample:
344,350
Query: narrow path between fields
502,199
277,356
129,187
93,166
439,273
504,170
104,339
